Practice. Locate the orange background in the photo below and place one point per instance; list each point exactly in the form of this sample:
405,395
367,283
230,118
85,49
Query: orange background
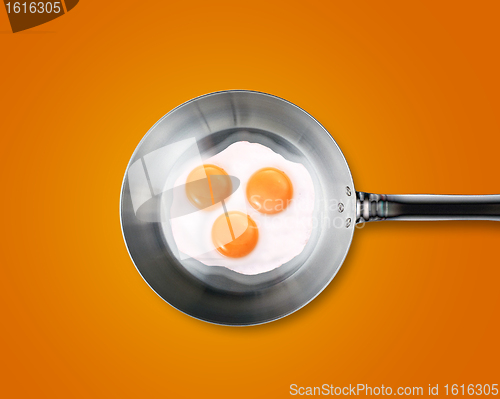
410,91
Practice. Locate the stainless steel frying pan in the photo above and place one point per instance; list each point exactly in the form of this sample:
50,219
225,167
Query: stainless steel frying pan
213,122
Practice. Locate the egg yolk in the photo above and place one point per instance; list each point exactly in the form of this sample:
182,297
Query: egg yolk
269,190
235,234
207,185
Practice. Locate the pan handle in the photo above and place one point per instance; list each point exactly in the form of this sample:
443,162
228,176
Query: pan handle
373,207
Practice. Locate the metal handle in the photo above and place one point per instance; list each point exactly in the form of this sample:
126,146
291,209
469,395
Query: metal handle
373,207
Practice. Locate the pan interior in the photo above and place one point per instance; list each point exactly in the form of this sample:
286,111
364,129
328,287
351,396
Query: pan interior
216,294
221,278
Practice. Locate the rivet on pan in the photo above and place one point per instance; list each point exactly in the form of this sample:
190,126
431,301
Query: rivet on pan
348,222
348,191
341,207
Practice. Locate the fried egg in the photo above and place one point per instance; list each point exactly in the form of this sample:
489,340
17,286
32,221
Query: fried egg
262,224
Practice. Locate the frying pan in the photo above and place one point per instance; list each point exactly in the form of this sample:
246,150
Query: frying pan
213,122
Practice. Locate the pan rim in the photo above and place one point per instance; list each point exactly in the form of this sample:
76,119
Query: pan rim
229,91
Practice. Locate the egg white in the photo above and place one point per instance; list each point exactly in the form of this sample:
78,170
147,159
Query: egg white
282,236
